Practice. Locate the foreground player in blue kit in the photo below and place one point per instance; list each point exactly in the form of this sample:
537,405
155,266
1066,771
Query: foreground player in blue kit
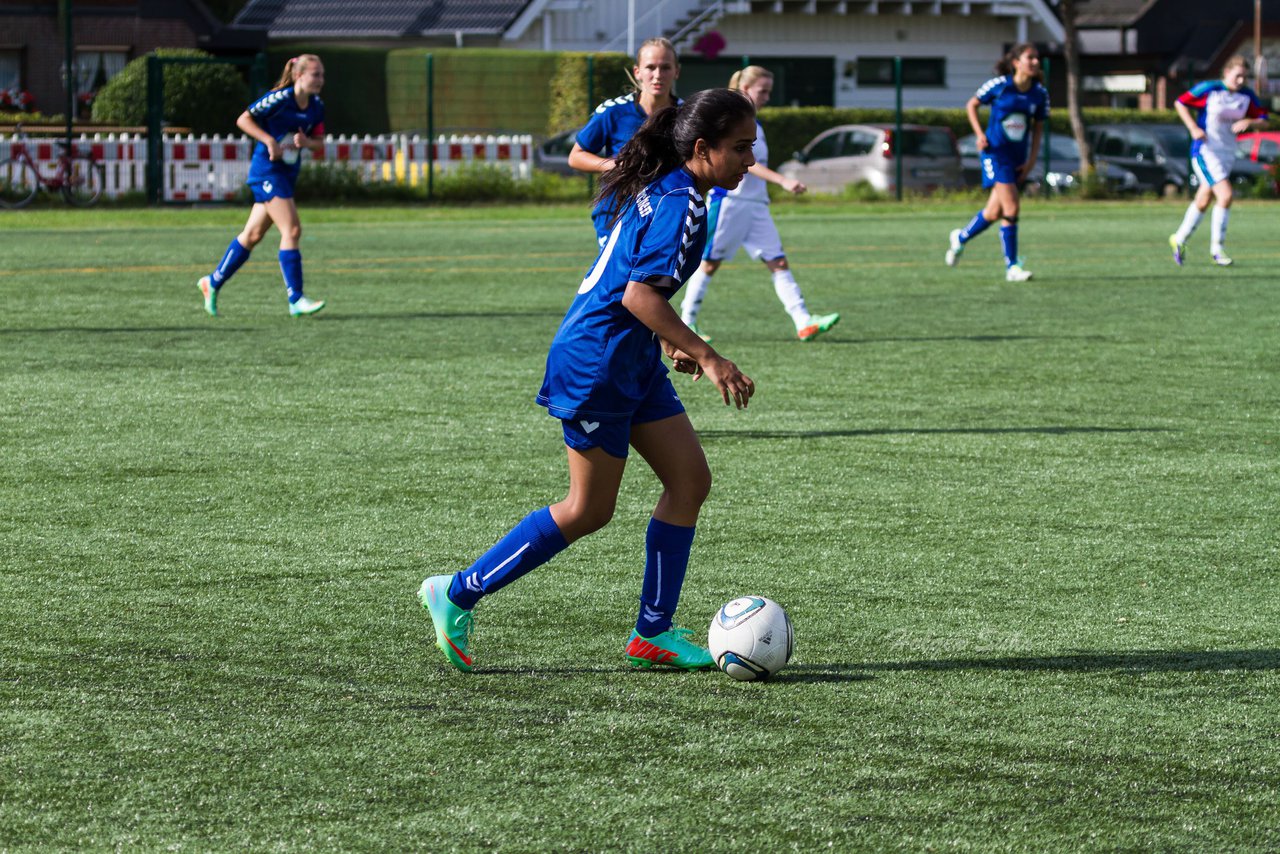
284,121
606,382
1225,108
612,124
1018,104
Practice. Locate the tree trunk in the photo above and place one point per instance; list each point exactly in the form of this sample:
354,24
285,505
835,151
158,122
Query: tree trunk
1071,53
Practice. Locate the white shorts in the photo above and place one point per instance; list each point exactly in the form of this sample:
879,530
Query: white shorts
1212,166
734,223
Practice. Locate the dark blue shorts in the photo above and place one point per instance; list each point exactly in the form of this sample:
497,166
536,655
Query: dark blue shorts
614,437
996,170
271,187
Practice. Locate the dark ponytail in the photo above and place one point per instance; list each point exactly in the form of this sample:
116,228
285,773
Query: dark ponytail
665,141
1005,65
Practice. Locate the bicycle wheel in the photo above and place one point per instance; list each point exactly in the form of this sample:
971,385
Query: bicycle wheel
18,183
84,180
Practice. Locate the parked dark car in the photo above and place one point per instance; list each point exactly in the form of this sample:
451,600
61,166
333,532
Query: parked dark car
847,154
1064,162
552,154
1158,154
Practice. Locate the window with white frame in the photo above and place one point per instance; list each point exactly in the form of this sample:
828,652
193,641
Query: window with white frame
94,66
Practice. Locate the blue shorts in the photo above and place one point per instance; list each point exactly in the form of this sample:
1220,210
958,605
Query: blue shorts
270,187
996,170
614,437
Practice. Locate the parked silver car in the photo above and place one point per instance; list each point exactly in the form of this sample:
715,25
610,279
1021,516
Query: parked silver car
847,154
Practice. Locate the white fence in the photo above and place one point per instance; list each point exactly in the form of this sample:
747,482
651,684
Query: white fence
214,168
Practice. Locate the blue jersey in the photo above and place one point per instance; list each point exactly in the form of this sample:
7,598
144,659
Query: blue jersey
610,127
277,113
1012,114
603,361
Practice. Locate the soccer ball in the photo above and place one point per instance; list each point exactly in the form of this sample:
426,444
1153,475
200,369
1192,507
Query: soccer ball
751,638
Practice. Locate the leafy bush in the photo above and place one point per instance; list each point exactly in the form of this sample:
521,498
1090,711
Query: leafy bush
206,97
570,107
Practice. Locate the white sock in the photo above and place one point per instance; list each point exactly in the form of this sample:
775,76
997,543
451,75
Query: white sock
1219,228
784,285
1189,222
694,291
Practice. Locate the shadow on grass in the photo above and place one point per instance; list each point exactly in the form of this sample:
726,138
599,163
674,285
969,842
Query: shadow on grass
1141,661
213,326
922,431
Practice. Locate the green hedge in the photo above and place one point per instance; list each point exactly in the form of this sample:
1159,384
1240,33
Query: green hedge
571,103
206,98
476,90
354,81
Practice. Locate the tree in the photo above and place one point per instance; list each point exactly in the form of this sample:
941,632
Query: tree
1071,53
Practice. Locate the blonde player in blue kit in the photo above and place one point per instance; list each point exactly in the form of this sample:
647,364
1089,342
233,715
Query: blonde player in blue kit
606,382
740,217
611,125
1007,148
284,121
1225,108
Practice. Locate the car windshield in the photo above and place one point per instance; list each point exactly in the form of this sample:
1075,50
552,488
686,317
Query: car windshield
1175,140
1063,148
927,143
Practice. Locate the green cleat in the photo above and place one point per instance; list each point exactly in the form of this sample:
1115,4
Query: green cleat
818,324
452,624
210,294
669,648
699,332
304,307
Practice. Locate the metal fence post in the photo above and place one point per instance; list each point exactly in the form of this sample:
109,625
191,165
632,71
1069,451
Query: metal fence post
155,127
431,126
897,134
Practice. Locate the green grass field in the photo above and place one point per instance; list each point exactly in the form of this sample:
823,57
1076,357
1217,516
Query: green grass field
1027,535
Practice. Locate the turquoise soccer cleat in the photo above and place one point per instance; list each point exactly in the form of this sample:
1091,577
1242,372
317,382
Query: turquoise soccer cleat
452,624
818,324
210,294
303,307
670,648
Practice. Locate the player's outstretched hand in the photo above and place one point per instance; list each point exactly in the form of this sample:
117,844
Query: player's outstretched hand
735,386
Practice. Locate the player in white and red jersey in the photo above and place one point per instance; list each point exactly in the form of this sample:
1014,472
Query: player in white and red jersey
1225,109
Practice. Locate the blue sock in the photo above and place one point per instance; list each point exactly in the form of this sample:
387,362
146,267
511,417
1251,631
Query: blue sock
666,549
527,546
231,261
291,266
976,226
1009,237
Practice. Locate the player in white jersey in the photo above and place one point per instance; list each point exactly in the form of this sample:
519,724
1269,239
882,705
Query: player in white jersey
741,217
1226,108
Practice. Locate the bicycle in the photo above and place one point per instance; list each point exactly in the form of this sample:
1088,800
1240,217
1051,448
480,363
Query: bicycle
80,177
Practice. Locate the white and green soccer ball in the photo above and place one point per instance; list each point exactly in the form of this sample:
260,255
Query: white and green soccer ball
751,638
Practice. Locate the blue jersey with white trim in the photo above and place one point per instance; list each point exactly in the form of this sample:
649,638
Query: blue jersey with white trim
278,113
1012,114
610,127
603,361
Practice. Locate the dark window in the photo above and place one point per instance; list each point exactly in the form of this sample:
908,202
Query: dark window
1268,151
927,143
826,147
1111,145
859,143
878,71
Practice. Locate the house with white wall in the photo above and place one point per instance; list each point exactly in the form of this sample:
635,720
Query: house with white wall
948,47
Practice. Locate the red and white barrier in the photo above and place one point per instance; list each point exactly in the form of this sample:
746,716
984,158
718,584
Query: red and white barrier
215,168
